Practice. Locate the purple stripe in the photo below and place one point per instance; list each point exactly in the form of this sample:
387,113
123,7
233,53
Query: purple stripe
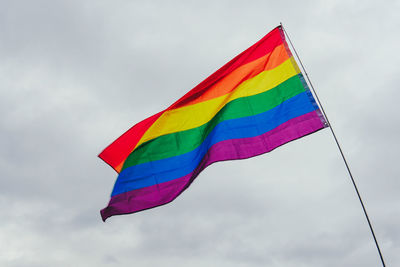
156,195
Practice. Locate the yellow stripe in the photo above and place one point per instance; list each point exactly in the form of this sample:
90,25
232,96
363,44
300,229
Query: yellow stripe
192,116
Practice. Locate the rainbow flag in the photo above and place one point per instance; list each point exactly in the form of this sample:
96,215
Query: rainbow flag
256,102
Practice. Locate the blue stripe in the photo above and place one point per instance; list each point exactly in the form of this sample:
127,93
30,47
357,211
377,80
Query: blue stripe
164,170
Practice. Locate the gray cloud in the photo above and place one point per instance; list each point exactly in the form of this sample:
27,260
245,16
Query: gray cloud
77,74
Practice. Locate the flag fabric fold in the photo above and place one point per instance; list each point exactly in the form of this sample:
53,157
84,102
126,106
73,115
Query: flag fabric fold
253,104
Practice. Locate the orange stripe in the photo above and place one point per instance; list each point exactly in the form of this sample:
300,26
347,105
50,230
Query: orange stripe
251,69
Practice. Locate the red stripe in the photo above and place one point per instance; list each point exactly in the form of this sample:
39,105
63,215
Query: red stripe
259,49
116,153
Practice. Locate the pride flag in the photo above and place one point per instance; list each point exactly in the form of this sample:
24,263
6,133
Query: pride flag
253,104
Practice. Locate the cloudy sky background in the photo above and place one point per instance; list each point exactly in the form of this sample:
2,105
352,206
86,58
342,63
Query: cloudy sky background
74,75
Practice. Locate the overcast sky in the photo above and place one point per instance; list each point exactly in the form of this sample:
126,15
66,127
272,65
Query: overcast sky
75,75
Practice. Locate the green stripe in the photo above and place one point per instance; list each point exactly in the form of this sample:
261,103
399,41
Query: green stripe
178,143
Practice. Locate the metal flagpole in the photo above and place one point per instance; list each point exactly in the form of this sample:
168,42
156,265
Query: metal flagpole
340,149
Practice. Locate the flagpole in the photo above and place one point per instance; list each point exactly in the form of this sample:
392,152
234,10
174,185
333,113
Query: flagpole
340,149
